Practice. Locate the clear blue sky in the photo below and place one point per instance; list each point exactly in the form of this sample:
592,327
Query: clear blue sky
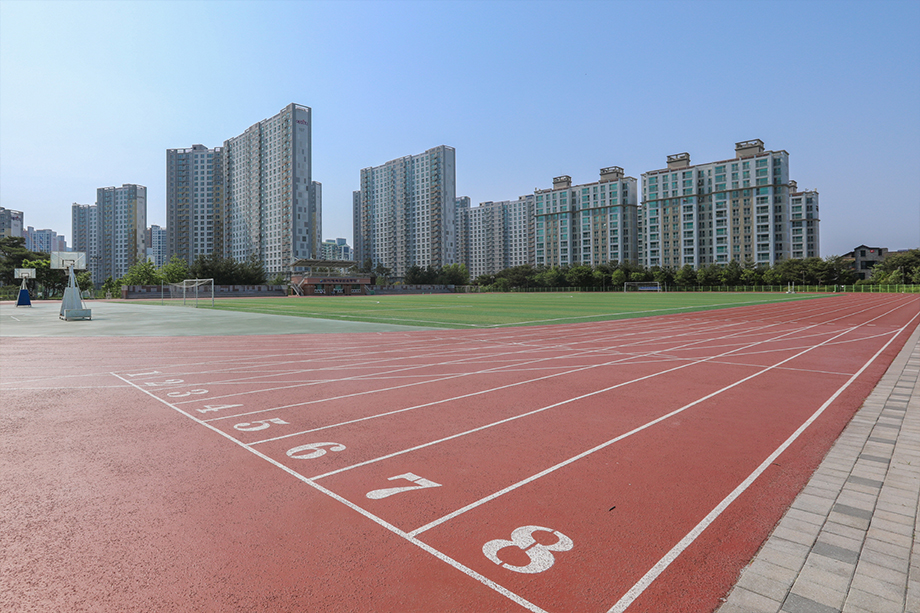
92,94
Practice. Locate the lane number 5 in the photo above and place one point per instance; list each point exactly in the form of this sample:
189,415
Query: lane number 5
263,424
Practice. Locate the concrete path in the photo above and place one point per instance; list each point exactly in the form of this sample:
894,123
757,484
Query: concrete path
118,318
849,542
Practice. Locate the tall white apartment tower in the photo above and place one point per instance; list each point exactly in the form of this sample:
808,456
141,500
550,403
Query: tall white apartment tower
496,235
194,202
588,224
121,221
272,206
84,231
734,209
406,212
804,221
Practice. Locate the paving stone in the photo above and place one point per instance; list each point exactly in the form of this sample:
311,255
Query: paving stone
796,603
872,602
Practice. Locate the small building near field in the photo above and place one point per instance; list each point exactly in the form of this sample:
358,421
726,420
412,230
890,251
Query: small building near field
864,259
329,278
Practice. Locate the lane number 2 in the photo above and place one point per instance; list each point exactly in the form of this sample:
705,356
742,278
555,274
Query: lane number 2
262,424
541,556
316,449
420,484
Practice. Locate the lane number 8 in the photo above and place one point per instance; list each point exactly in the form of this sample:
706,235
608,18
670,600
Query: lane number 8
541,556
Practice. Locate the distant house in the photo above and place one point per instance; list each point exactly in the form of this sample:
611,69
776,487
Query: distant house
865,258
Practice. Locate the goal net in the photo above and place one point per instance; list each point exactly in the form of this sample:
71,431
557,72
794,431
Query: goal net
191,291
642,286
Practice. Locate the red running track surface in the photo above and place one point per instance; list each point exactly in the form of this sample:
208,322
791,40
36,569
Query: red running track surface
633,465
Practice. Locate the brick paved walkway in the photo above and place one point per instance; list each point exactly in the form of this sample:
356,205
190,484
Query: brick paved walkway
849,542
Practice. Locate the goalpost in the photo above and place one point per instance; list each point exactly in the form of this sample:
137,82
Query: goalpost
192,289
642,286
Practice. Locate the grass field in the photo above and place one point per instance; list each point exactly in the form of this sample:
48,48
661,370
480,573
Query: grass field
497,310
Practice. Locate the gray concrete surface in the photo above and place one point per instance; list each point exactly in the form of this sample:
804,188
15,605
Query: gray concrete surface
135,319
849,542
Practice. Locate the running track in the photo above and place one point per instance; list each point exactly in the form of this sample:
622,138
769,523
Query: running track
630,465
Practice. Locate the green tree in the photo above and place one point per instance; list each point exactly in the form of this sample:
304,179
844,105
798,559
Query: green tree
686,276
175,270
709,276
85,281
142,273
223,270
731,274
111,288
250,272
455,274
579,276
51,280
618,278
12,254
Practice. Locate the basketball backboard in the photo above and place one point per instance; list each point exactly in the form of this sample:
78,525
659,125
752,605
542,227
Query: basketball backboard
24,273
63,259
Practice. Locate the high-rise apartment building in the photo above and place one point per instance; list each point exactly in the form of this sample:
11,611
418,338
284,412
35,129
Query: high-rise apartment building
194,202
255,195
44,240
588,224
84,231
10,223
337,249
157,245
736,209
121,222
272,206
804,221
496,235
357,229
406,212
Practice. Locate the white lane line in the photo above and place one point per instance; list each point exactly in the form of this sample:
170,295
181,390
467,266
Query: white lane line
636,590
584,454
528,414
472,394
416,356
379,521
496,369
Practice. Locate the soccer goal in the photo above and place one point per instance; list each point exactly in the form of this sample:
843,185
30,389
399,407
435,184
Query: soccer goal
191,290
642,286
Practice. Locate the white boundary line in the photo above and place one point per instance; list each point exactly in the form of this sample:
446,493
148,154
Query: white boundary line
636,590
605,444
379,521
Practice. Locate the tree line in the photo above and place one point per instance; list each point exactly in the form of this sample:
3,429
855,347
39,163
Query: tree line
224,271
833,270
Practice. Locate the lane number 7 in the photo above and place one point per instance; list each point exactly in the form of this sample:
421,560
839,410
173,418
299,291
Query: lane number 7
420,484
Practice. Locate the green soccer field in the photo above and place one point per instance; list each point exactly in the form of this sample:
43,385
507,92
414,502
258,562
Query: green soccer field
498,310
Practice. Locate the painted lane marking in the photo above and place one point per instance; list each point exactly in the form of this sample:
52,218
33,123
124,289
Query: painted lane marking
420,483
588,452
374,518
636,590
541,556
476,393
495,369
445,363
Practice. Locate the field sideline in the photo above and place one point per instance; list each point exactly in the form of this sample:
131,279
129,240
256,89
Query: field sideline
465,311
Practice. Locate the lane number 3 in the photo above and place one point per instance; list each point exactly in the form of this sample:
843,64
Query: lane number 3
541,556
